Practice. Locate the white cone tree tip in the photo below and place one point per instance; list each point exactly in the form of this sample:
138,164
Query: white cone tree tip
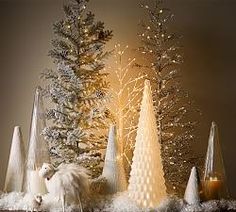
147,184
16,163
191,195
113,169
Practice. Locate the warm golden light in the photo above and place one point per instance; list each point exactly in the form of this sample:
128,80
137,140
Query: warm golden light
212,188
126,91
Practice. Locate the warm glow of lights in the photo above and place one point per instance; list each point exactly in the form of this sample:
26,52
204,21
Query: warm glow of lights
125,104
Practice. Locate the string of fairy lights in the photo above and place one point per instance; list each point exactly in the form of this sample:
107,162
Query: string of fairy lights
160,47
126,100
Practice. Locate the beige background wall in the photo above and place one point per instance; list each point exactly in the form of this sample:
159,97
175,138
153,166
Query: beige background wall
208,73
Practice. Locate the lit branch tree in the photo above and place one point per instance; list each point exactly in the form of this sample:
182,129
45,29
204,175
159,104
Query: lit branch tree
126,94
77,89
172,104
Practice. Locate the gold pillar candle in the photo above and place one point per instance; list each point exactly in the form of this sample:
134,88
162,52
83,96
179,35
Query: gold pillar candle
212,188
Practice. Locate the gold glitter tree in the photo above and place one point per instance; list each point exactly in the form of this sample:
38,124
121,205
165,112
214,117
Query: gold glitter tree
160,48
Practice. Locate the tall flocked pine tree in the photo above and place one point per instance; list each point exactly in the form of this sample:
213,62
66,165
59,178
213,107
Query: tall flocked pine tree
173,106
77,89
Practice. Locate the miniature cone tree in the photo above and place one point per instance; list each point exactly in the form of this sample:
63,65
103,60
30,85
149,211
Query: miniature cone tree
16,163
191,195
146,184
38,150
214,182
113,169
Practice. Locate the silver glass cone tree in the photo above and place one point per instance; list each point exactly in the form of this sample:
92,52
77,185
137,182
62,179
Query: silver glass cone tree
16,163
113,169
147,184
214,181
38,150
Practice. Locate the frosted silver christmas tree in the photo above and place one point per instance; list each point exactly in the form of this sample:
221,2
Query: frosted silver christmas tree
147,184
16,163
214,181
38,151
191,195
113,169
78,90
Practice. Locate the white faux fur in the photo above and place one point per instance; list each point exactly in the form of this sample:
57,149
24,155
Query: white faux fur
68,182
119,202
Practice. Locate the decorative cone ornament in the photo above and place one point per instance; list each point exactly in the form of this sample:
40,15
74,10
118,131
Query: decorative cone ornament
16,163
113,169
38,150
214,181
147,184
191,195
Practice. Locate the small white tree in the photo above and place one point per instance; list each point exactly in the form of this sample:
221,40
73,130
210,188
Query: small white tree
16,163
38,151
147,184
113,169
191,195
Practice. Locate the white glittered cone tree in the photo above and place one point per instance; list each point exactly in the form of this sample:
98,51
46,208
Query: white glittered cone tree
191,195
38,151
147,184
16,163
113,170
